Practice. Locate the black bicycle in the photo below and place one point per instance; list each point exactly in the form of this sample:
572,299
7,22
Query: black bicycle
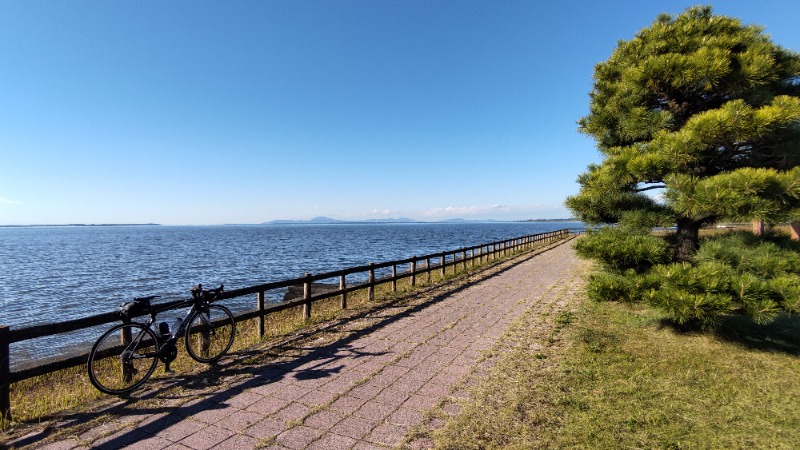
126,355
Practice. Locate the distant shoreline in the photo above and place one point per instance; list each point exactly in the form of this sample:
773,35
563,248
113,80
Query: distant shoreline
316,221
86,225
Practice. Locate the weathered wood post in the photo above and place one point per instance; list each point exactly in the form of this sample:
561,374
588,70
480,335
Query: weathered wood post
371,282
5,372
262,325
443,264
394,277
342,287
413,270
428,268
464,258
125,336
307,297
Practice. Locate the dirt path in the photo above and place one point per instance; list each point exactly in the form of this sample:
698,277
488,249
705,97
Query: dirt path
362,383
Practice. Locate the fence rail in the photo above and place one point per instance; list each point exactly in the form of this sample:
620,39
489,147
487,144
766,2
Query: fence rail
432,262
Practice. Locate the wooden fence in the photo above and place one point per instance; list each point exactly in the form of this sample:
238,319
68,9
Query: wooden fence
436,261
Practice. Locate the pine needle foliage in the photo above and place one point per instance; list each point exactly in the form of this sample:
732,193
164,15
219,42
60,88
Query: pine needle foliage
706,111
738,273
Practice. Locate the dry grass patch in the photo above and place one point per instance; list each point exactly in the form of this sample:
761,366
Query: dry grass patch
619,377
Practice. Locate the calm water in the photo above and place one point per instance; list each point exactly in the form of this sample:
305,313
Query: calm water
49,274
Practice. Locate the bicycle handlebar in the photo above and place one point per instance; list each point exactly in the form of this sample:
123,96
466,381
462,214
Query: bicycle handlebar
199,292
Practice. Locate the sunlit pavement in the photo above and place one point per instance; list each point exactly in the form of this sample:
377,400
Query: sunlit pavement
365,390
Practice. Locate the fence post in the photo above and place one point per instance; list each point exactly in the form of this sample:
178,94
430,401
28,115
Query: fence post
126,338
262,326
444,267
307,297
342,287
394,277
371,283
5,372
414,270
464,258
428,268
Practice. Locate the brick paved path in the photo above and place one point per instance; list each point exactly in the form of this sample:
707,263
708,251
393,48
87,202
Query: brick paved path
364,387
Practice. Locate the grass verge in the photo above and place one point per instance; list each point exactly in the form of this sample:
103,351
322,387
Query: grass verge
611,376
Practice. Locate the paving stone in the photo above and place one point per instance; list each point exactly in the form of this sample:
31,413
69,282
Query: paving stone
366,391
354,427
243,400
363,445
268,405
238,442
318,398
332,441
387,434
347,404
324,420
214,415
294,411
206,438
291,392
266,428
67,444
240,420
120,439
180,430
375,410
407,417
431,389
299,437
151,443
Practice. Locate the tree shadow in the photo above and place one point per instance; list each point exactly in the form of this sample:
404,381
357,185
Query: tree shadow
782,335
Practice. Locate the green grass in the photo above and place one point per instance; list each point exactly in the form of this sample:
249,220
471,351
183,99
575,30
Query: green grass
618,377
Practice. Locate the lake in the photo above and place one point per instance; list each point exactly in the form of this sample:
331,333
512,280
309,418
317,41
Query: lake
52,274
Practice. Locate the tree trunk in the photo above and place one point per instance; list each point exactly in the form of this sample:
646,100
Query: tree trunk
687,239
795,230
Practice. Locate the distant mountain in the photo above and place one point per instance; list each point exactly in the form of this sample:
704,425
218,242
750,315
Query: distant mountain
398,220
459,220
318,219
328,220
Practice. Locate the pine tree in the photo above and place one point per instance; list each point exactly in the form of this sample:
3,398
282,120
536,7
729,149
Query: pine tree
704,111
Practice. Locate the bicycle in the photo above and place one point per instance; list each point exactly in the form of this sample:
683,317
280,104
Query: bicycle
125,356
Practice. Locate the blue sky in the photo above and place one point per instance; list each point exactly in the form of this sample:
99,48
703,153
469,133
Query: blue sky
247,111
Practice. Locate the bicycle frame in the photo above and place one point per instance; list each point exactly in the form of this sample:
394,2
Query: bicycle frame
141,340
167,345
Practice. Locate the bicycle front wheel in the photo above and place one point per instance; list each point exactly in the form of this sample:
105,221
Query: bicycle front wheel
210,333
123,358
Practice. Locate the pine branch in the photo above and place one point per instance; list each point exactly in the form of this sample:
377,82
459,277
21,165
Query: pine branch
650,188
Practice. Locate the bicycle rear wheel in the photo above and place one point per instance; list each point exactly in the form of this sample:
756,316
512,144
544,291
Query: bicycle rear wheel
210,333
123,358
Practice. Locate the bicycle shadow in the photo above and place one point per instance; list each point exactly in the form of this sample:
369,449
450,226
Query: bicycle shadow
249,366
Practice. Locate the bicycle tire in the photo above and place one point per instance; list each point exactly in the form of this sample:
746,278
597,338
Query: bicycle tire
117,369
210,333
